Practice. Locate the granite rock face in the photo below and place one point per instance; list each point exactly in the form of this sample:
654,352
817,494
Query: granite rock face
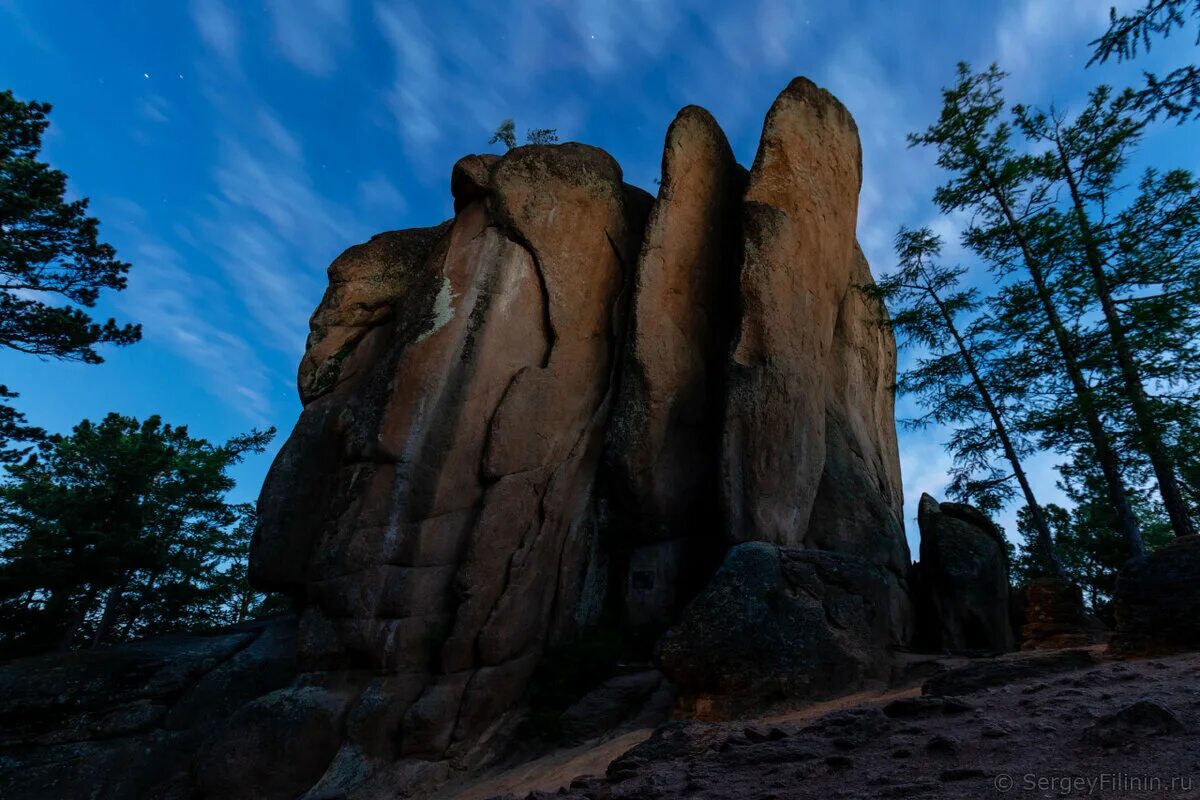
1157,602
554,415
809,456
962,592
664,435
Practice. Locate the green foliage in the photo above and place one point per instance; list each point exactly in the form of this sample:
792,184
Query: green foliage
122,529
52,266
953,378
505,134
49,248
1043,195
1175,95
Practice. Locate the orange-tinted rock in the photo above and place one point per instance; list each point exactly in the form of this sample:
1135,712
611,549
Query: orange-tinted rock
664,435
428,506
1054,615
809,455
666,425
562,407
800,211
364,284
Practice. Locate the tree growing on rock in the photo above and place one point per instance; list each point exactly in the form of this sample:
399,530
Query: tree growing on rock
121,529
506,134
52,264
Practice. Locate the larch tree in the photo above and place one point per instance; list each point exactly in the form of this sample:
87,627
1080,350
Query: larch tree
1085,158
954,379
1015,229
1175,95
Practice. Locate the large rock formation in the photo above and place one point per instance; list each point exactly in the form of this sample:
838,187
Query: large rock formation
664,436
542,426
962,580
557,411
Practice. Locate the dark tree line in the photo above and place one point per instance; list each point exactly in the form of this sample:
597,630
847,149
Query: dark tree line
121,528
1087,342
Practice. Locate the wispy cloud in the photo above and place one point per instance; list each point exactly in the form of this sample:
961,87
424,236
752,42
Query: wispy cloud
308,33
217,27
173,304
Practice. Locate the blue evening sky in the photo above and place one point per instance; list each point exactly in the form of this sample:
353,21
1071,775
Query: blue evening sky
233,149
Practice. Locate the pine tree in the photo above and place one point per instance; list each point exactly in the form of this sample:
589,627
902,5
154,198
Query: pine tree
120,528
52,266
505,134
954,379
1014,229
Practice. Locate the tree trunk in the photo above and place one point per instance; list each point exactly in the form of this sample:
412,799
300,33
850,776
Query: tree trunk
1109,466
1149,432
1010,452
109,615
81,612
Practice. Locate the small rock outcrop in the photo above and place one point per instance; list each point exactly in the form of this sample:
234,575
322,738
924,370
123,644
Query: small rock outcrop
1157,602
1134,723
963,579
1054,615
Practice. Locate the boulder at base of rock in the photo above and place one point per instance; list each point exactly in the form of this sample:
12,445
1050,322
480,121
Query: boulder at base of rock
1157,602
963,577
775,623
1054,616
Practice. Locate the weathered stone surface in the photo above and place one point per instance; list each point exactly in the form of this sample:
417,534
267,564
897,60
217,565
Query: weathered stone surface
123,721
609,704
799,216
1157,602
1054,616
963,577
431,508
1133,723
664,434
562,407
665,430
273,748
776,622
364,285
809,454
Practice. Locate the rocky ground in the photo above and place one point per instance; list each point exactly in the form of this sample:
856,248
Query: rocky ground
1054,724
